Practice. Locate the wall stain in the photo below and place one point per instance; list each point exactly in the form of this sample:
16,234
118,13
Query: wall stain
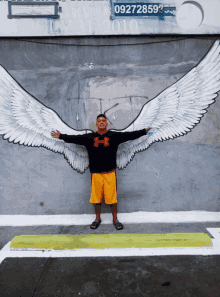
213,139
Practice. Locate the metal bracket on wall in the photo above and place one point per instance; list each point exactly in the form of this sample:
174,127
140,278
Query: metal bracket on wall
33,9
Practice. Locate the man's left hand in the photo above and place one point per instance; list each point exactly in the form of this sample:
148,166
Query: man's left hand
148,129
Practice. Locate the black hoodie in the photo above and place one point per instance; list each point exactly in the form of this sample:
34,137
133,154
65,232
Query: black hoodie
102,156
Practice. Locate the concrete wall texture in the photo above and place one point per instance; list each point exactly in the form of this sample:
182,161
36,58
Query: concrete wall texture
80,81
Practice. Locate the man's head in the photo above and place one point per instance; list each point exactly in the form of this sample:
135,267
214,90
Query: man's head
101,122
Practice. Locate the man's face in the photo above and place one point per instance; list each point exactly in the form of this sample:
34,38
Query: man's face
101,123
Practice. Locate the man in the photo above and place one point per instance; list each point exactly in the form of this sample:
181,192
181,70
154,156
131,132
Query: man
102,149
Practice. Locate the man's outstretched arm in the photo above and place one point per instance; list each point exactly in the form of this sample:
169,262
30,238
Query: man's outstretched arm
77,139
126,136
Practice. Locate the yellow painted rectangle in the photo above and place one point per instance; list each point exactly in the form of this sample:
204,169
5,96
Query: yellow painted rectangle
102,241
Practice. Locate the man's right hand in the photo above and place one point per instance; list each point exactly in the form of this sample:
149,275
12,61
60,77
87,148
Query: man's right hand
55,134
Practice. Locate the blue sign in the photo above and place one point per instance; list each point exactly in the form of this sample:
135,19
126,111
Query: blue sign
142,10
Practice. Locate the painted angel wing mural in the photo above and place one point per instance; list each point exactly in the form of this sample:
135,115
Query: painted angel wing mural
24,120
176,110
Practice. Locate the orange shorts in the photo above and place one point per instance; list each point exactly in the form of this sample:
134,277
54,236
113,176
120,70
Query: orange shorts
104,184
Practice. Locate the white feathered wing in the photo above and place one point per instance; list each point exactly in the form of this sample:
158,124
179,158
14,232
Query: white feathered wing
24,120
176,110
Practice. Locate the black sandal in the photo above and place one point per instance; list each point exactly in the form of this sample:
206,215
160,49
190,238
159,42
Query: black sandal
95,224
118,225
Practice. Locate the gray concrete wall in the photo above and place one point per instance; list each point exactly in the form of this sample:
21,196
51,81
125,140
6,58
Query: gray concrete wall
176,175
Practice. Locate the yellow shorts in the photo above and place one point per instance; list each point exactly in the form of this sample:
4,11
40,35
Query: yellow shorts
104,183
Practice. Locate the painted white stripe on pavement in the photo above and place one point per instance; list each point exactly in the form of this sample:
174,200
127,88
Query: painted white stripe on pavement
133,217
215,232
123,252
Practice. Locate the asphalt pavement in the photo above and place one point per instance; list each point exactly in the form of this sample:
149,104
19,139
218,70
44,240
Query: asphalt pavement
161,275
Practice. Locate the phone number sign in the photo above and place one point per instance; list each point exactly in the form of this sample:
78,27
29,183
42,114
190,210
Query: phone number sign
142,10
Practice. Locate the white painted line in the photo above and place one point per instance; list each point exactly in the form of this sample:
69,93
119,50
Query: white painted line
215,232
4,250
127,252
126,218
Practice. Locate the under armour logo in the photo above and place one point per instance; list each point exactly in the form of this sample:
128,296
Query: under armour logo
97,141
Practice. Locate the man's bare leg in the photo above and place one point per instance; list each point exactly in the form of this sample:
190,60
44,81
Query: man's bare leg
117,224
97,211
114,212
97,221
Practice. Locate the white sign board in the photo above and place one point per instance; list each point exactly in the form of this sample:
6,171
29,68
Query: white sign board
72,18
